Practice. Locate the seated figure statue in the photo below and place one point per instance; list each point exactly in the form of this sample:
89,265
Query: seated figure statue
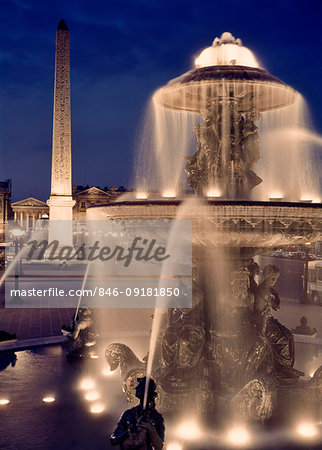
183,340
141,428
83,322
81,337
280,340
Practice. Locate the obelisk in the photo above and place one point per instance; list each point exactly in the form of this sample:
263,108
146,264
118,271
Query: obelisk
61,202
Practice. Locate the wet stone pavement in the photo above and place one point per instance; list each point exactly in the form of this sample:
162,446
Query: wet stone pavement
32,323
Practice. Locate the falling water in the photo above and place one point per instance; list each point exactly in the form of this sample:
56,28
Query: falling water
159,312
167,137
288,151
288,147
222,110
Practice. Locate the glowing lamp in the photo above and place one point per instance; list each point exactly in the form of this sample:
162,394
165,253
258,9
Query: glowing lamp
92,395
94,356
97,408
49,399
307,430
17,232
213,193
238,436
4,401
141,195
168,194
87,384
188,430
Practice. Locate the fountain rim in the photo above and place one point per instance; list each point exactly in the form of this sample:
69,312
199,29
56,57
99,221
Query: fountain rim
218,73
306,217
255,203
214,75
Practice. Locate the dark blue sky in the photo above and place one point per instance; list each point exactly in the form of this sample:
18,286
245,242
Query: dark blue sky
121,51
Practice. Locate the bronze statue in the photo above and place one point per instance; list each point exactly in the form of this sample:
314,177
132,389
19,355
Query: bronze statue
80,335
280,359
182,343
141,428
225,160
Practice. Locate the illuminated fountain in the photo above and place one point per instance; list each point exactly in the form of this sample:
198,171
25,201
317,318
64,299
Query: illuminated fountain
226,354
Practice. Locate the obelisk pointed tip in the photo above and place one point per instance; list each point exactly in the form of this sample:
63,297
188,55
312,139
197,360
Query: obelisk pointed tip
62,25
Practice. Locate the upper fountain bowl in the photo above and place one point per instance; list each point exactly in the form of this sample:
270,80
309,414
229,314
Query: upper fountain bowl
226,71
226,51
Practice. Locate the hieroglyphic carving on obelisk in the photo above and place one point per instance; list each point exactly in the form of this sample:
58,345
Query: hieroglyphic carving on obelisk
61,202
61,157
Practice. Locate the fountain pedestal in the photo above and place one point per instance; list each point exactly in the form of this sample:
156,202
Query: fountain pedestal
217,355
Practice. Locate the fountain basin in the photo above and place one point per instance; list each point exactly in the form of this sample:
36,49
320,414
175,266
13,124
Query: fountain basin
233,223
247,86
31,423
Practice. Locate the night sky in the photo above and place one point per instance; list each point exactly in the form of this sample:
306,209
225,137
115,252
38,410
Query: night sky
121,51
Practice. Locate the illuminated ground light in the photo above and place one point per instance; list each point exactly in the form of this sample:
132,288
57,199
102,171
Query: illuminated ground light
94,356
141,195
97,408
276,198
4,401
107,372
87,384
306,200
238,436
188,430
213,193
48,399
174,446
168,194
307,430
91,395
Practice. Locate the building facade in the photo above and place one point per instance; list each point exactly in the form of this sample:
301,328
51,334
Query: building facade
27,211
89,197
5,208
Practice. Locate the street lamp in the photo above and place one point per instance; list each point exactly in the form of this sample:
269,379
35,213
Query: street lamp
16,233
306,271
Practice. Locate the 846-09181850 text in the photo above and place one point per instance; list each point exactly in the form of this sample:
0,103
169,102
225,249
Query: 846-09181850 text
100,291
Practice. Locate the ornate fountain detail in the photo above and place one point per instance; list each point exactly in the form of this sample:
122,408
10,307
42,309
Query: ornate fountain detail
241,362
80,335
224,160
227,352
253,402
120,355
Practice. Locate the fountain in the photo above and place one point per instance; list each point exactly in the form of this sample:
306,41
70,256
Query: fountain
227,354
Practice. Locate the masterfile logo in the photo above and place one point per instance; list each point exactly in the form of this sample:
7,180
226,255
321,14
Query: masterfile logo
134,263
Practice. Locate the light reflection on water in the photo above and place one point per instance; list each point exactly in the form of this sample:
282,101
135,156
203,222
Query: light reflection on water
28,422
71,421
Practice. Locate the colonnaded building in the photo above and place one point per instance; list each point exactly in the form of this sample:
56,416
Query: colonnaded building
30,209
